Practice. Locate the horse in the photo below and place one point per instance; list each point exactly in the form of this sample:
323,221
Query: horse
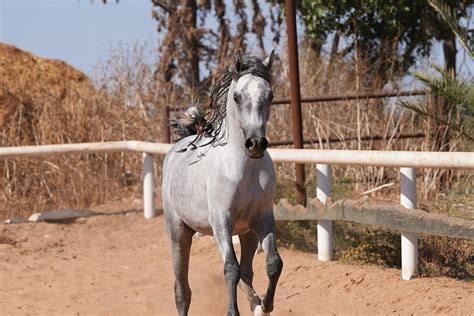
221,182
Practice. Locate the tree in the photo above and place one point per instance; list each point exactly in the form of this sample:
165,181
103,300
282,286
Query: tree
191,42
388,34
458,93
202,34
453,113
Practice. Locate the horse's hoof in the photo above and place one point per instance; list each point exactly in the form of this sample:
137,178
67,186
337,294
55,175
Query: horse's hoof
258,311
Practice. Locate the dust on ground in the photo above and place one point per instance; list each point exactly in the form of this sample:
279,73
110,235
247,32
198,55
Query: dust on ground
120,264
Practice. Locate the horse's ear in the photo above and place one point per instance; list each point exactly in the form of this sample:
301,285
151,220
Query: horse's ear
238,61
269,60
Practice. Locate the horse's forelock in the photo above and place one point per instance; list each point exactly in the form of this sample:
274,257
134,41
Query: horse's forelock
219,90
254,66
247,65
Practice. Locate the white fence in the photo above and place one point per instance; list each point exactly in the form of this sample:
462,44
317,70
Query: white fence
407,161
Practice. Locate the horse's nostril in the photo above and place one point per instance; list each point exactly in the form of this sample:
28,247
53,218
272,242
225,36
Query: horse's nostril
250,143
263,143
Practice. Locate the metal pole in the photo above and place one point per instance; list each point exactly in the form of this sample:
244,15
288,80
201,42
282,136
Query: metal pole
351,138
295,95
166,125
323,192
409,240
343,97
355,96
148,186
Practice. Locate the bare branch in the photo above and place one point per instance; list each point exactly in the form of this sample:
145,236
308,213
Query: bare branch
164,4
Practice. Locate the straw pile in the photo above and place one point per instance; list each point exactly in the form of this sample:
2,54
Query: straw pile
49,102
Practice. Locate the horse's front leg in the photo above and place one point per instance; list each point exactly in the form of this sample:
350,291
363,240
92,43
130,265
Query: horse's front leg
248,246
222,229
266,232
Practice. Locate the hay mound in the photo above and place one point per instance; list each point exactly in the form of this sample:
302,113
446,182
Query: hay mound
39,97
27,75
45,101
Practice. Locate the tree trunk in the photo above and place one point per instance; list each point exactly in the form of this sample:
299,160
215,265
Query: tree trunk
332,57
444,107
449,48
191,44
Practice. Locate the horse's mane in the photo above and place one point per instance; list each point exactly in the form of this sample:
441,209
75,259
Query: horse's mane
205,120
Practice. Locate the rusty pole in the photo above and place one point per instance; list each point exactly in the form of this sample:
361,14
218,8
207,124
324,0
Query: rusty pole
166,127
296,122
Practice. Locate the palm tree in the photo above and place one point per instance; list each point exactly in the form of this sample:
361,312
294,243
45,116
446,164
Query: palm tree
458,93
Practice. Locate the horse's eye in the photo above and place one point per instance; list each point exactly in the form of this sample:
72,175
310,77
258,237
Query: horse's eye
270,97
236,98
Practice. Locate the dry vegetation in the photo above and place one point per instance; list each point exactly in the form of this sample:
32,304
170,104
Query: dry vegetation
48,102
355,243
359,118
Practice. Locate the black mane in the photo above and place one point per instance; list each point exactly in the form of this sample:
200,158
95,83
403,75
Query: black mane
209,124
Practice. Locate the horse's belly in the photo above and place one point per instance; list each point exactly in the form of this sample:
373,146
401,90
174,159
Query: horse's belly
197,223
192,211
239,228
198,220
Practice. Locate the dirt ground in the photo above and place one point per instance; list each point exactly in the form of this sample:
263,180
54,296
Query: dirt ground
119,264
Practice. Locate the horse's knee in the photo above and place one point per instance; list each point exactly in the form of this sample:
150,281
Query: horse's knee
231,272
274,265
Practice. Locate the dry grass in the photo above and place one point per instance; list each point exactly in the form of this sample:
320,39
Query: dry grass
48,102
357,118
355,243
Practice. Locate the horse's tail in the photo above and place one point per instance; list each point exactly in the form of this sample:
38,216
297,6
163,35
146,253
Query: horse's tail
191,121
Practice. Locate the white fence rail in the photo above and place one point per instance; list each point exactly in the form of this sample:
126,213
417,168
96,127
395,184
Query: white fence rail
407,161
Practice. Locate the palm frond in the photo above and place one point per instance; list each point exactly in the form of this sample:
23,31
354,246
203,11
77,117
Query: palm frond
448,14
470,98
459,95
456,91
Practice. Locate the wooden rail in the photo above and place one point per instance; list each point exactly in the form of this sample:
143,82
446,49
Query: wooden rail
389,216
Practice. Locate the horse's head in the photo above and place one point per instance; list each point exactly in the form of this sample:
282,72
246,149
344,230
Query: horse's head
252,96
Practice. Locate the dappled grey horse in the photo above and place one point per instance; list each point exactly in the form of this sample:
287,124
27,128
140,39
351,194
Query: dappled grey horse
221,182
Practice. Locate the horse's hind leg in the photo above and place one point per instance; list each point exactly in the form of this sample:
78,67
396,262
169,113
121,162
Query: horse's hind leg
181,238
266,233
248,245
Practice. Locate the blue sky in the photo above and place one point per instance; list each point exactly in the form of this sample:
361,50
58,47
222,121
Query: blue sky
82,32
76,31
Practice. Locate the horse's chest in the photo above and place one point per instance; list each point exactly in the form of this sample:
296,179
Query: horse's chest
256,189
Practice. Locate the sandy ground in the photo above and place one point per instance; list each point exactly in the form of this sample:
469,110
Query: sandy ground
120,265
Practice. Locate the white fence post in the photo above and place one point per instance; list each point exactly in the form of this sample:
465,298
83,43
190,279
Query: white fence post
323,192
148,186
409,240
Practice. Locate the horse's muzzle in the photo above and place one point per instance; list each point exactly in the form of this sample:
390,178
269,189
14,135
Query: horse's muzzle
256,146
